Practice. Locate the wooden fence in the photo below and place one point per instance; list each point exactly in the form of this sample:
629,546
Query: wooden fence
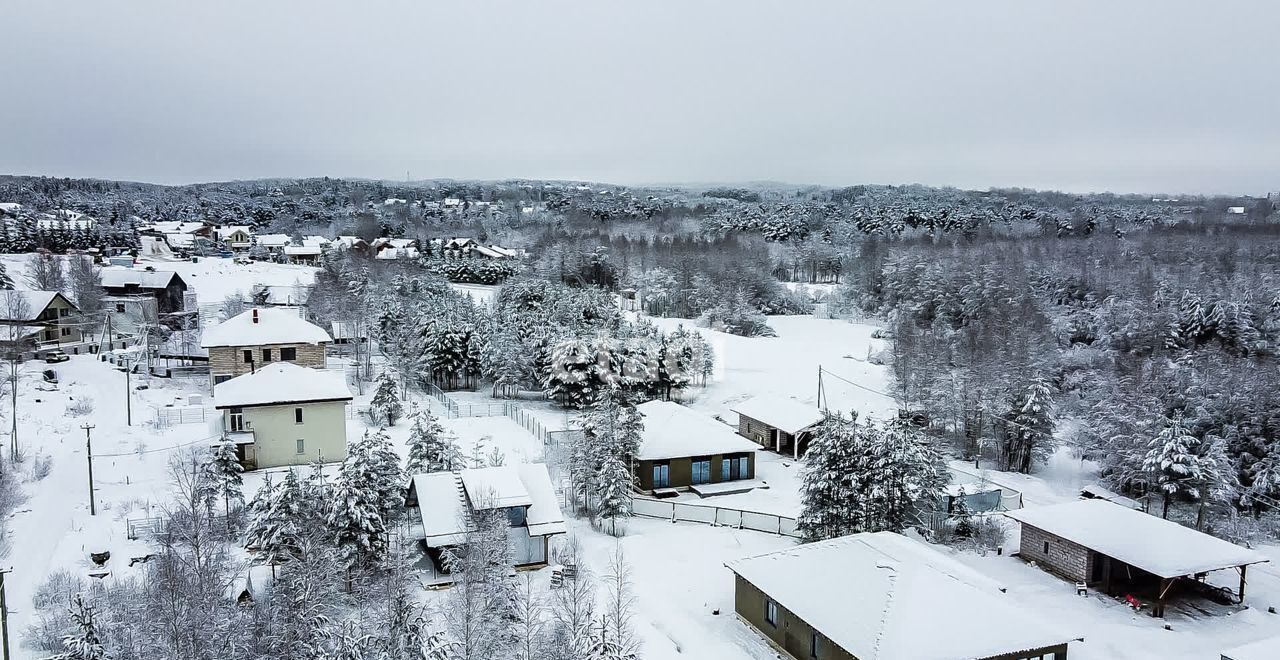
714,515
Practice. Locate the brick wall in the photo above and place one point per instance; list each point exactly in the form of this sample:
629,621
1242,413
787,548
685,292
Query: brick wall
1065,558
229,361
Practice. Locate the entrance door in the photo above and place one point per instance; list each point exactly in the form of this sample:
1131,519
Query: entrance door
661,476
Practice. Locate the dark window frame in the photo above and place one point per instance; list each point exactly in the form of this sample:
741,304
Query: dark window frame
288,354
248,356
771,612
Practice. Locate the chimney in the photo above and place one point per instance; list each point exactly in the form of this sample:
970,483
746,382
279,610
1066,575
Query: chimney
255,315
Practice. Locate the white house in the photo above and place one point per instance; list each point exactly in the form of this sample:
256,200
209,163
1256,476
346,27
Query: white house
441,507
1235,210
284,414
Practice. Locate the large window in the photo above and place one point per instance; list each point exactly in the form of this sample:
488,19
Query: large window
771,613
701,470
288,354
516,516
735,467
661,475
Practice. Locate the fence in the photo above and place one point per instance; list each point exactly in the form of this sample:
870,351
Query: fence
715,515
183,415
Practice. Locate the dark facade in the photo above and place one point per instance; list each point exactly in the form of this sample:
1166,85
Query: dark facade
798,639
772,438
168,299
680,470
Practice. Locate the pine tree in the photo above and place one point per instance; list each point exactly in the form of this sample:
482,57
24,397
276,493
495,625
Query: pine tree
6,282
1029,432
223,473
355,516
1172,459
279,526
385,406
571,379
431,447
381,465
85,643
602,459
829,488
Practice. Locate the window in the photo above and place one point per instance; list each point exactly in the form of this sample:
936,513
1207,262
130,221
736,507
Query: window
701,471
220,379
297,415
119,308
813,645
302,446
661,475
63,312
288,354
65,332
733,468
49,336
237,420
516,516
266,355
1046,547
248,357
771,613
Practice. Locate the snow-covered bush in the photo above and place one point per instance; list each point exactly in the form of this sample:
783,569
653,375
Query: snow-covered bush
80,406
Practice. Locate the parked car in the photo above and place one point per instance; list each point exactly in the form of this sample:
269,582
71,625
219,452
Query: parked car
53,357
50,376
243,261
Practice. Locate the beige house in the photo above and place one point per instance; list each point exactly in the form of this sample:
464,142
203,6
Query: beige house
39,322
284,414
251,340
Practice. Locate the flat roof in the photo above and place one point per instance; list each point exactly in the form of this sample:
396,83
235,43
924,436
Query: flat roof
786,415
1157,546
885,596
674,431
1263,649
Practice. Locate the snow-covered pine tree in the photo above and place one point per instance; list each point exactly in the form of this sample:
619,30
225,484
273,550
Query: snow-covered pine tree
355,516
571,378
223,473
602,459
828,486
431,447
1173,459
1028,433
905,474
86,642
382,465
278,527
6,282
478,611
385,408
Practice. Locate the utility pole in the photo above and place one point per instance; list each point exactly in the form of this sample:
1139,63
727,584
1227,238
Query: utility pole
128,396
88,450
4,616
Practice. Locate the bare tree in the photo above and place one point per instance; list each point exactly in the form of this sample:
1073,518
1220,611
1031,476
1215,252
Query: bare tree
44,273
86,284
619,629
16,339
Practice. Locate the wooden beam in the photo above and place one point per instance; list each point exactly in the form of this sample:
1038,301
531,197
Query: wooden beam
1242,581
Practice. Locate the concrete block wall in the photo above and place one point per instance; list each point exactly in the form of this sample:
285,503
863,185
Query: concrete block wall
1065,558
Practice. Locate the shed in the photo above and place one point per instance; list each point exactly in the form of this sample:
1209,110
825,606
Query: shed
777,423
682,448
885,596
1097,542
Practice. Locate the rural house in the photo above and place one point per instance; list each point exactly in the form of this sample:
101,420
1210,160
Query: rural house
1122,550
777,423
284,414
235,237
681,448
441,505
40,321
883,596
250,340
166,287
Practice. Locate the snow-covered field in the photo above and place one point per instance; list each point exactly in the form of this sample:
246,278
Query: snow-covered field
677,568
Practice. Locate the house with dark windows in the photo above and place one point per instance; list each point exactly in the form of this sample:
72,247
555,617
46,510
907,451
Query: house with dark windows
167,288
884,596
778,423
682,449
250,340
32,323
442,508
284,414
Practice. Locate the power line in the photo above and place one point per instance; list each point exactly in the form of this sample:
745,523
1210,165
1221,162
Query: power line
152,451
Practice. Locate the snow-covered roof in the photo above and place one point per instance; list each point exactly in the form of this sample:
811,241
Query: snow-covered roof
786,415
1155,545
495,488
179,239
37,301
487,252
443,500
674,431
315,241
284,294
302,250
11,207
280,383
274,240
397,253
263,327
174,227
115,277
231,229
1263,649
889,597
1098,492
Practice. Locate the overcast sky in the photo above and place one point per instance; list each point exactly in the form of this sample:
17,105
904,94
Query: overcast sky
1153,96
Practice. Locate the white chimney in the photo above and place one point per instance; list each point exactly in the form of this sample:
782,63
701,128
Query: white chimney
255,315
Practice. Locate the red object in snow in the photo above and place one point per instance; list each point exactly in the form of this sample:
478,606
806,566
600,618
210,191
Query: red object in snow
1133,602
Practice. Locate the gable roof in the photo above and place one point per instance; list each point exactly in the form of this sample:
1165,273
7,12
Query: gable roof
119,276
280,383
1155,545
786,415
674,431
884,596
273,326
37,302
446,499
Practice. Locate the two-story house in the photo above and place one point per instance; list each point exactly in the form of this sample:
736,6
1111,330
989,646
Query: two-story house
166,287
442,507
283,414
251,340
35,322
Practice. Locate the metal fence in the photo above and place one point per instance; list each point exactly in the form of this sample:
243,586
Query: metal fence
715,515
183,415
